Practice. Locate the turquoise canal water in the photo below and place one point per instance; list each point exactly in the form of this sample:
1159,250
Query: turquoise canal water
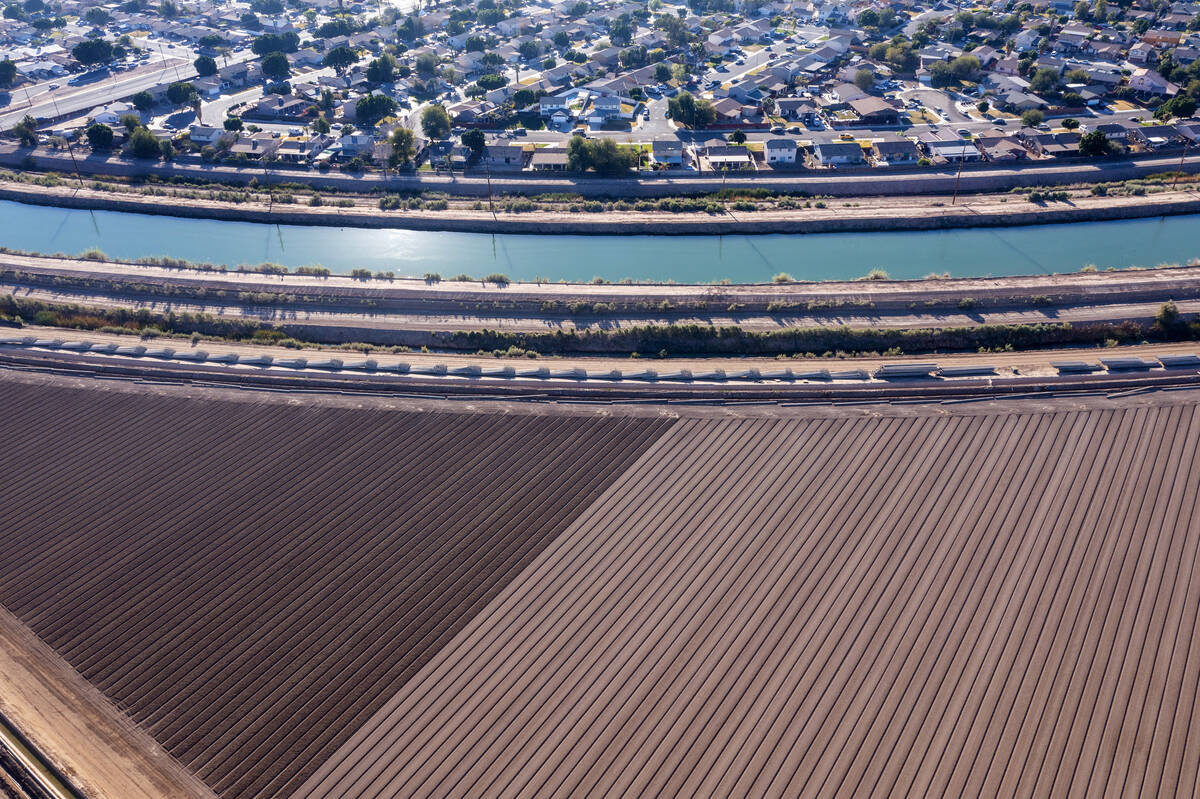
685,259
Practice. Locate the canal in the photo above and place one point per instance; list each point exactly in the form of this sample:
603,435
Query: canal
684,259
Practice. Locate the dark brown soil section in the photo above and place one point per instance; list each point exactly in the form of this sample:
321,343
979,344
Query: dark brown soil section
250,582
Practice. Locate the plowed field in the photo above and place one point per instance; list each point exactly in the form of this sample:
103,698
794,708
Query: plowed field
251,581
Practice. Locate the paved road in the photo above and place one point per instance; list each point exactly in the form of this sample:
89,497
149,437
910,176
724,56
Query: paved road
74,100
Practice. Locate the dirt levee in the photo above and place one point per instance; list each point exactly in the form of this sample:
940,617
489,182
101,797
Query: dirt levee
250,581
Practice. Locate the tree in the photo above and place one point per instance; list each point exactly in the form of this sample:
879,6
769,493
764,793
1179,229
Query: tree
92,51
427,65
1094,143
181,93
8,73
232,124
374,107
982,106
26,131
404,147
168,9
529,50
341,59
97,17
1078,76
272,43
738,137
1181,105
1070,124
319,125
474,141
334,28
143,144
1032,118
130,122
662,72
549,62
205,65
687,110
435,122
561,40
250,21
382,69
1044,80
601,155
864,79
276,66
143,101
492,81
1169,322
100,137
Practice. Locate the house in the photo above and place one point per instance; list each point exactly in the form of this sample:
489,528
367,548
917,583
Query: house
846,92
1147,81
505,156
874,111
951,150
206,134
801,109
111,114
726,157
1000,148
281,107
780,151
299,150
549,159
838,153
604,108
1050,145
895,152
1157,136
255,146
728,110
1142,53
548,106
666,151
354,145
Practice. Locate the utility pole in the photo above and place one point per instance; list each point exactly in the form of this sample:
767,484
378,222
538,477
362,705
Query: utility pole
958,176
487,171
1179,171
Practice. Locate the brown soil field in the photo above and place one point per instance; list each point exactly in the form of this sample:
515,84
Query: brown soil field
946,604
251,581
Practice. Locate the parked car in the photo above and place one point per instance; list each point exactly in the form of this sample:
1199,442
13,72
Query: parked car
777,129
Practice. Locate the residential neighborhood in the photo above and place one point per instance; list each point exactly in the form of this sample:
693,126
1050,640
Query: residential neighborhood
607,86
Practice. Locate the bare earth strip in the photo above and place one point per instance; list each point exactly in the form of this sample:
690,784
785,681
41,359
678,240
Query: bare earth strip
84,735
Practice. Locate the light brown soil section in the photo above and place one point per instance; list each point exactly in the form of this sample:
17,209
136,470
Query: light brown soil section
82,734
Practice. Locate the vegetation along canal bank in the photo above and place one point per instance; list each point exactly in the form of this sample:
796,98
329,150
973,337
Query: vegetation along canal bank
493,314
